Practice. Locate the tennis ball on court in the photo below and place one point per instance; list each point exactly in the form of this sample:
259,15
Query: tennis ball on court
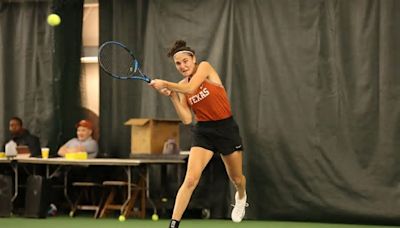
154,217
121,218
53,19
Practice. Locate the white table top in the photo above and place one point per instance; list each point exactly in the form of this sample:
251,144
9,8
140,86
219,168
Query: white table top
5,160
102,161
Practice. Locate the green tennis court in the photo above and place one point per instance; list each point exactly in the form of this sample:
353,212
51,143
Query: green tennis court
86,222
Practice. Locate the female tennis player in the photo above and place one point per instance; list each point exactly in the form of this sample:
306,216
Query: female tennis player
216,131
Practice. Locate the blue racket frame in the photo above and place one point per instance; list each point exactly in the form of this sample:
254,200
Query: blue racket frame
137,74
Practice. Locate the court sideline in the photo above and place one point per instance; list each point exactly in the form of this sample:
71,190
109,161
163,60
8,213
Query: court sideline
88,222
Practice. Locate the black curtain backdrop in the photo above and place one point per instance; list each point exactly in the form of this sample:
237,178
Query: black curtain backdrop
67,68
40,68
124,21
314,86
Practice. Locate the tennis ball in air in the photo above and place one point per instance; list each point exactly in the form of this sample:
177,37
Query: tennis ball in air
121,218
53,19
154,217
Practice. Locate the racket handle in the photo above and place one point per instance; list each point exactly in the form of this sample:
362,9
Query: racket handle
146,79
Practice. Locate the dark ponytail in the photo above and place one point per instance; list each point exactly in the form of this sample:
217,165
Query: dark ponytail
180,45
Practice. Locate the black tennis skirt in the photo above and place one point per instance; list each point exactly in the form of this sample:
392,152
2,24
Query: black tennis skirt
221,136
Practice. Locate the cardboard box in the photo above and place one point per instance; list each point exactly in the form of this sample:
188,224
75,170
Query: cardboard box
148,135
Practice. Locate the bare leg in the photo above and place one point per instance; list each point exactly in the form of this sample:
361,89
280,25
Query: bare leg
233,165
198,159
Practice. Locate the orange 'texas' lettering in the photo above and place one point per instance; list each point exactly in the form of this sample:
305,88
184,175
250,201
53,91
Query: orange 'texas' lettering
200,96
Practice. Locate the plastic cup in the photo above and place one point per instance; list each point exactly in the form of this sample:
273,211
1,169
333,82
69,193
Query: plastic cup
45,153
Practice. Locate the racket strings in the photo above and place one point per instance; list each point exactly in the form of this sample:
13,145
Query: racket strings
118,61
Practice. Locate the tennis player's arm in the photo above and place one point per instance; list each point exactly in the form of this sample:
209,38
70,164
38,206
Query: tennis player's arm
204,69
181,107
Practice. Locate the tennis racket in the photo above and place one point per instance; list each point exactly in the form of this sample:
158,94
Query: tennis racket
119,62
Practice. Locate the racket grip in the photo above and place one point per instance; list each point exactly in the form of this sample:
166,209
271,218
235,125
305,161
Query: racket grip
146,79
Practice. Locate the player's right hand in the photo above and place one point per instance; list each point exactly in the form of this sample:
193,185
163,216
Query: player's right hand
165,92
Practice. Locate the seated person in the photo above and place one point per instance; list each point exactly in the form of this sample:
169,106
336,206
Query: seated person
26,142
83,142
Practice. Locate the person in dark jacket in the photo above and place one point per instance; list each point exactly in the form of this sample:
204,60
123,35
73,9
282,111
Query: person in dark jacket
23,138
